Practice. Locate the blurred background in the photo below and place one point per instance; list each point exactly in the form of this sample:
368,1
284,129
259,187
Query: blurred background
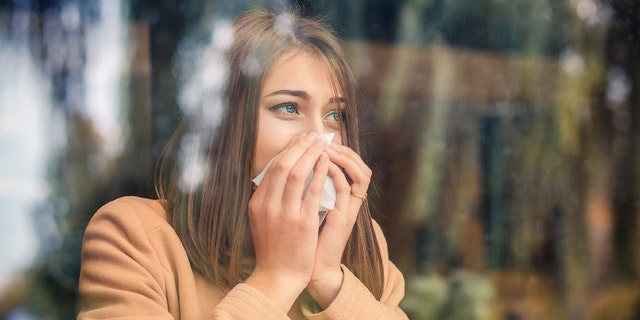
504,137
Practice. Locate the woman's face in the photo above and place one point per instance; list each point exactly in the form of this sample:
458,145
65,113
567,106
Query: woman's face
297,96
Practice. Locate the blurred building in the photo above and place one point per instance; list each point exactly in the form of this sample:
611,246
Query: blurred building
503,137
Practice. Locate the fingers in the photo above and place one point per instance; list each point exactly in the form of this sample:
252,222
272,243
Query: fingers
347,152
338,225
343,190
350,175
280,166
286,178
354,167
314,190
297,179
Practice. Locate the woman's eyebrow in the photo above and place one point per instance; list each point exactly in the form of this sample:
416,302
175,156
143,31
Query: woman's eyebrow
295,93
303,95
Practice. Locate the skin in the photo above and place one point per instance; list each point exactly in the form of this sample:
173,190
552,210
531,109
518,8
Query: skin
297,103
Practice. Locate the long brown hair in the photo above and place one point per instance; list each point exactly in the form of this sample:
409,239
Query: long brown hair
211,217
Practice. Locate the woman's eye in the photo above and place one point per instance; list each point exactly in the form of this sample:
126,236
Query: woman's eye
335,116
286,108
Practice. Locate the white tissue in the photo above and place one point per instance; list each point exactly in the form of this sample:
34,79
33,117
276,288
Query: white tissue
328,197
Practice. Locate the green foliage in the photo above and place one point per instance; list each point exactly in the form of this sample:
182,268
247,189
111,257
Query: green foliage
462,296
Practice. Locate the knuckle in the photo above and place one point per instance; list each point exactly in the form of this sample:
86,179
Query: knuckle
281,166
368,172
254,204
297,176
252,208
270,209
362,178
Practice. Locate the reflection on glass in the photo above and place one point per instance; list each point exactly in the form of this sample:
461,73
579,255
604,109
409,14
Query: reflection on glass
503,135
24,118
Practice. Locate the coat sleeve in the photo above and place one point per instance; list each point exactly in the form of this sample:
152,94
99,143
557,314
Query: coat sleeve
120,274
355,301
124,274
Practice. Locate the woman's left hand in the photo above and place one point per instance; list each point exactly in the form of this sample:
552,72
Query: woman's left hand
326,278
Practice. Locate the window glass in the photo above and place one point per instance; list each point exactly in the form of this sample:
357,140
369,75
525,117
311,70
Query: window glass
504,137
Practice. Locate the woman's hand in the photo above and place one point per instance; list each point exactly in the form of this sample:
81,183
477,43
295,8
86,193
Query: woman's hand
284,226
327,275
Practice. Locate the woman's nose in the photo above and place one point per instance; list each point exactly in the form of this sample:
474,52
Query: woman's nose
315,124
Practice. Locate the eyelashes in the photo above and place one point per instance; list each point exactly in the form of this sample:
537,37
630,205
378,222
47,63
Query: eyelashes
287,108
292,109
336,115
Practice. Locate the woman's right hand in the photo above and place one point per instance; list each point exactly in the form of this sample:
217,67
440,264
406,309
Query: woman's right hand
284,226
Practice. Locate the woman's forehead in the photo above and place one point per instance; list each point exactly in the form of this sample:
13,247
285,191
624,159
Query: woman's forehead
295,58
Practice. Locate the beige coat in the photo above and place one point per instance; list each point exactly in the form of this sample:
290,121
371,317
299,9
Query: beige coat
134,267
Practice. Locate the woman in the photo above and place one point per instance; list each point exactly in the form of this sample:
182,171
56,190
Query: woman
228,249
